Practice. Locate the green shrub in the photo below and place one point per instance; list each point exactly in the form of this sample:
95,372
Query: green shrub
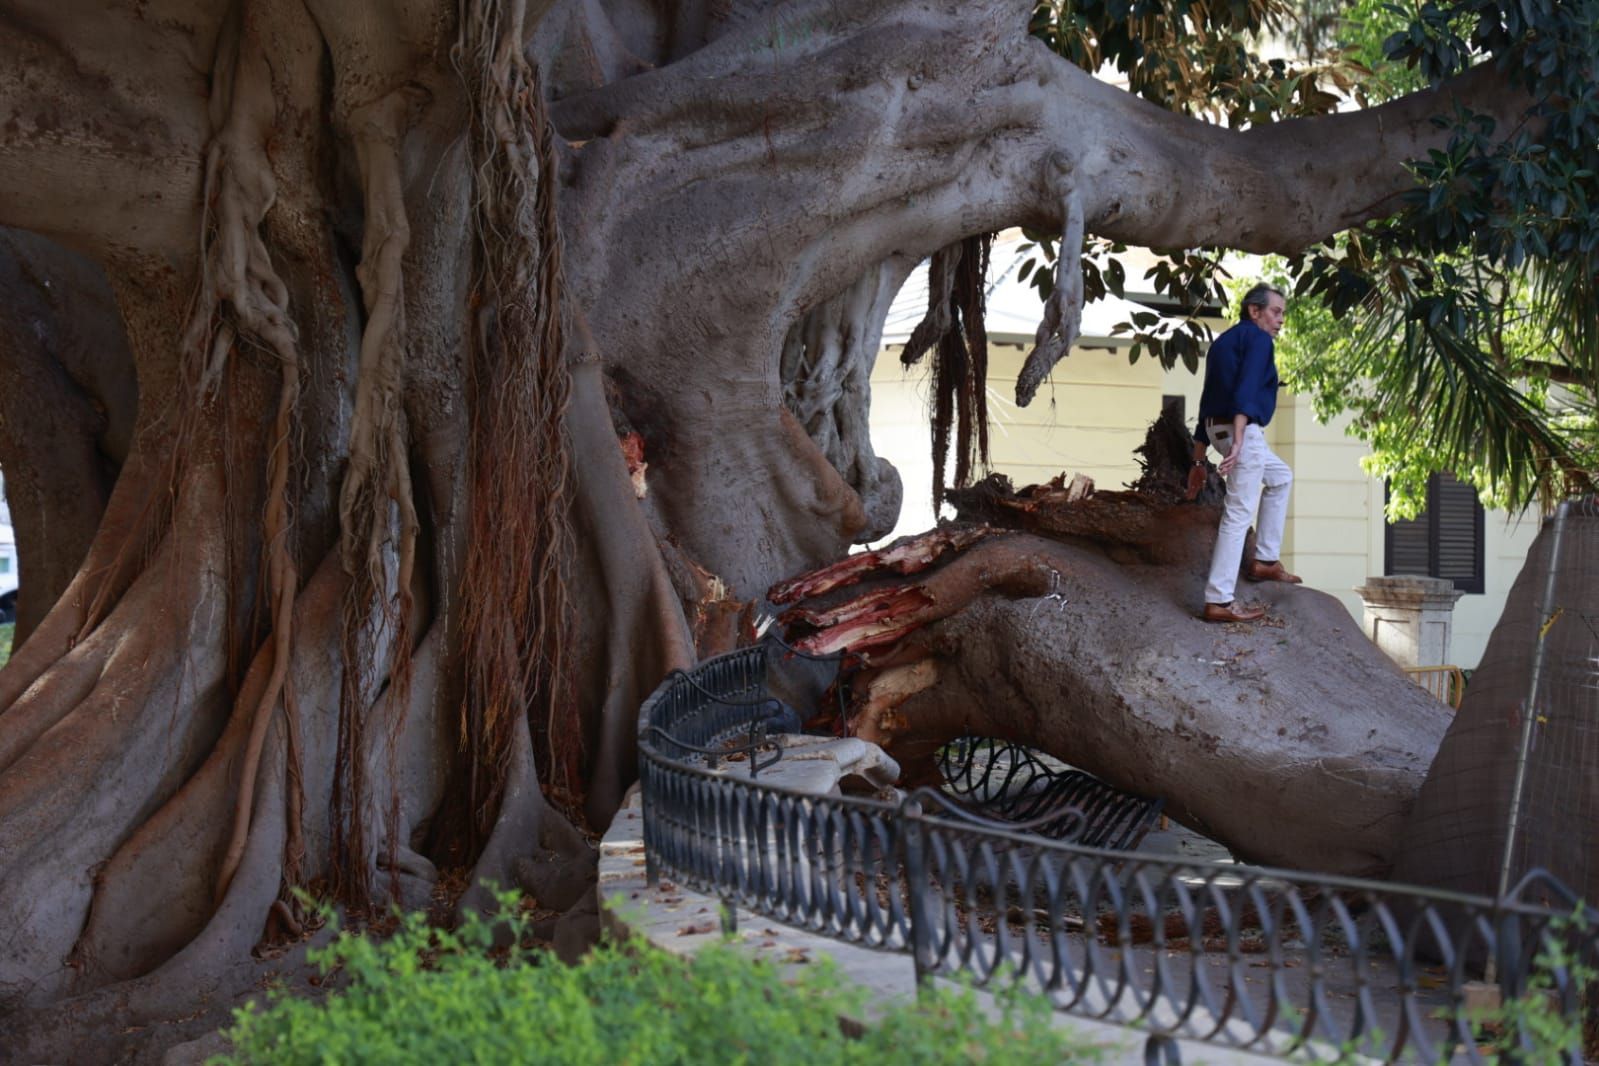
1534,1027
434,996
6,632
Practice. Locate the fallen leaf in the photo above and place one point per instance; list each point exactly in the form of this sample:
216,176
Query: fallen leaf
697,928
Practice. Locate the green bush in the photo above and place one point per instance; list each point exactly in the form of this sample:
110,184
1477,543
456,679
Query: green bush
6,632
434,996
1534,1028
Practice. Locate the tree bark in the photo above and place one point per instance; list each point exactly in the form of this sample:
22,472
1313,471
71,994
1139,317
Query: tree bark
1294,743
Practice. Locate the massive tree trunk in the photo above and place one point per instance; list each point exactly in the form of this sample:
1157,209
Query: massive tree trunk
374,567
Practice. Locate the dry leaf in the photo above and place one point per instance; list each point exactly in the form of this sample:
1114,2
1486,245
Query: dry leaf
697,928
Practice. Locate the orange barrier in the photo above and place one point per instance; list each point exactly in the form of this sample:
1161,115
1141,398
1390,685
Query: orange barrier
1445,682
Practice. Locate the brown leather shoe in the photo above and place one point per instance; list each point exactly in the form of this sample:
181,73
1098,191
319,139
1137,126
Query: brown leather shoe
1232,612
1273,571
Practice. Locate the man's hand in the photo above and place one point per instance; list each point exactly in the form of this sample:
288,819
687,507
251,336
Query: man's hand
1196,481
1230,460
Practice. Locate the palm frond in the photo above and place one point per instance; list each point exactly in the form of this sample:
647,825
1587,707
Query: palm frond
1438,388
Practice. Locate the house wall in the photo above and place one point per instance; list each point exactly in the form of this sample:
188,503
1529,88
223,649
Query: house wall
1087,418
1094,411
1331,511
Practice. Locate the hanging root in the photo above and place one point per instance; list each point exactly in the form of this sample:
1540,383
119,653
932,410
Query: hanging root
1063,312
953,329
517,614
242,299
377,507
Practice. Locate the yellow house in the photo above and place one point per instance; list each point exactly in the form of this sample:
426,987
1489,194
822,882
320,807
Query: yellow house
1094,410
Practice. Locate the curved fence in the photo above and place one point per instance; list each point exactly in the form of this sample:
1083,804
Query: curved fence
1016,784
1272,961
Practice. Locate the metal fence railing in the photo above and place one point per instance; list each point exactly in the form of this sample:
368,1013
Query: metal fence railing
1273,961
1015,784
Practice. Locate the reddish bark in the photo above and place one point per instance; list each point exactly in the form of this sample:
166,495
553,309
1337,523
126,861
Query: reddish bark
908,555
880,617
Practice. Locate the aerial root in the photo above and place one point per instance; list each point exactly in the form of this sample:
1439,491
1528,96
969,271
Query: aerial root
242,297
377,505
1063,311
953,330
517,615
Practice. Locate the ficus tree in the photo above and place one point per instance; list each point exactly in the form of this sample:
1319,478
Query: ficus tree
448,373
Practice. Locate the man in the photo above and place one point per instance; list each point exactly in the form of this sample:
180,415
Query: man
1239,399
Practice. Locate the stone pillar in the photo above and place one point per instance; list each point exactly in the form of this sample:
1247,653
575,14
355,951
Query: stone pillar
1410,618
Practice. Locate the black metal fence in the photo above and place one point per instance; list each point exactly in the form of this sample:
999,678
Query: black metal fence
1014,783
1272,961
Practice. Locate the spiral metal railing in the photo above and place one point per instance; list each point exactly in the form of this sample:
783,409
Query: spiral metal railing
1012,783
1271,961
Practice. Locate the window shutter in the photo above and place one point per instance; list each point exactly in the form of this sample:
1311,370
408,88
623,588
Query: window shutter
1445,540
1409,547
1459,532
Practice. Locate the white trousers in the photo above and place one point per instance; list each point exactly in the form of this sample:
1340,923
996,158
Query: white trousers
1260,480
